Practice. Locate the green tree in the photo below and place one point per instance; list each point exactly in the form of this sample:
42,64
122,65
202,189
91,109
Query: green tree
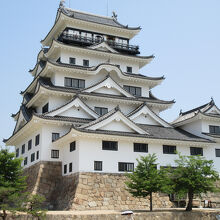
193,175
146,179
12,182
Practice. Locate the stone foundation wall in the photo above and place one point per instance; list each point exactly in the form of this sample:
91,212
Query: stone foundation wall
43,178
98,191
85,191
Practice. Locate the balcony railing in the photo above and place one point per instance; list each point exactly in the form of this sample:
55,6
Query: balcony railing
88,41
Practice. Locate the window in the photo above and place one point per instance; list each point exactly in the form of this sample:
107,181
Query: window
129,69
138,147
98,165
72,146
17,152
74,83
29,144
59,60
37,140
85,62
65,169
72,61
110,145
23,149
32,157
125,167
136,91
37,154
55,136
70,167
25,161
54,153
45,108
169,149
217,152
101,111
196,151
214,129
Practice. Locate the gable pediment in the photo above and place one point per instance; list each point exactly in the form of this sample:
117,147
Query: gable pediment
114,121
214,110
108,86
75,108
144,115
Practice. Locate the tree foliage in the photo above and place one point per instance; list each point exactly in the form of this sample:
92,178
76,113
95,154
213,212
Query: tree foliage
193,175
12,188
146,178
12,182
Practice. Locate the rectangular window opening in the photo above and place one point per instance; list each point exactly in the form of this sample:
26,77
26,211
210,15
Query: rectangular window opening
37,140
110,145
65,169
136,91
33,157
29,144
196,151
55,154
72,146
45,108
101,111
125,167
70,167
98,165
169,149
23,149
86,63
72,60
74,83
139,147
55,136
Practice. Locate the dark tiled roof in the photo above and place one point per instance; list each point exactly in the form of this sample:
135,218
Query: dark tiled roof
95,18
47,84
171,133
64,118
155,132
183,116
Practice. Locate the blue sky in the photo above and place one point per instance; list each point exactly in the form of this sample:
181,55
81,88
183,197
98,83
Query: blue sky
183,35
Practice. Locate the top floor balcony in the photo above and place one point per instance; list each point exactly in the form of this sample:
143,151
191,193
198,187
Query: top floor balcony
84,41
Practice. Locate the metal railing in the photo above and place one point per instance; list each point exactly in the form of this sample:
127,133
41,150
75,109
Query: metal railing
90,41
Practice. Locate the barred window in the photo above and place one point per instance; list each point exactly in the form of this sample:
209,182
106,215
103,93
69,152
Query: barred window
17,152
98,165
72,146
29,144
129,69
139,147
55,136
65,169
110,145
25,161
54,153
74,83
136,91
86,63
37,154
37,140
72,60
70,167
169,149
125,167
217,152
196,151
101,110
23,149
214,129
33,157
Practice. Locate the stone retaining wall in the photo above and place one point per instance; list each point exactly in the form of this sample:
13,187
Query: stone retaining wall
85,191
